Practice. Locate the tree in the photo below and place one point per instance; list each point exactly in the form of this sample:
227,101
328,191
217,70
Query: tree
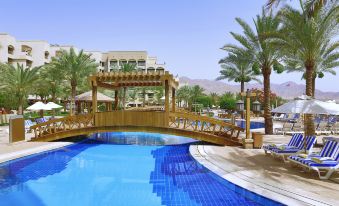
309,7
307,46
75,67
237,67
264,52
214,98
196,91
54,78
19,82
183,94
126,68
228,101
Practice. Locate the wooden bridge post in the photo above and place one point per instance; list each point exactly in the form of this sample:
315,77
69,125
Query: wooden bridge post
167,102
173,99
94,98
116,99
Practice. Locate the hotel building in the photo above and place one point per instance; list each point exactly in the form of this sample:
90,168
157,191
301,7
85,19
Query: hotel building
38,53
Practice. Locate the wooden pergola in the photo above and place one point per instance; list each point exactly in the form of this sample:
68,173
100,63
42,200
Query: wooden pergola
117,80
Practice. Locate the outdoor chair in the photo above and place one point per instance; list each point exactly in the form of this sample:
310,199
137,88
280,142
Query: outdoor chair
326,161
282,152
295,141
322,128
287,127
298,127
28,124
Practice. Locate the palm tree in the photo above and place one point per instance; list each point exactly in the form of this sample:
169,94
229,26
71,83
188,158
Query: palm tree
264,52
237,67
183,94
310,7
75,68
307,44
18,81
195,92
214,97
126,68
54,78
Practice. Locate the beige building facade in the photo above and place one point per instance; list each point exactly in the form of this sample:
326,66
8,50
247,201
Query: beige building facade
38,53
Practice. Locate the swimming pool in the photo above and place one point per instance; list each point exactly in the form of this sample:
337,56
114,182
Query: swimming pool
253,125
119,169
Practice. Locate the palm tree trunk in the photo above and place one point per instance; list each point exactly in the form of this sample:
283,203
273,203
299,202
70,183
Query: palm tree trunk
267,101
73,85
242,87
309,123
313,85
20,107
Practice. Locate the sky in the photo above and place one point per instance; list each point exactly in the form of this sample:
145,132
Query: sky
185,34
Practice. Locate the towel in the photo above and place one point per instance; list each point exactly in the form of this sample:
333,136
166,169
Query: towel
320,160
282,147
302,155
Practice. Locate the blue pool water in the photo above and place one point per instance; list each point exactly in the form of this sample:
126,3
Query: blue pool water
119,169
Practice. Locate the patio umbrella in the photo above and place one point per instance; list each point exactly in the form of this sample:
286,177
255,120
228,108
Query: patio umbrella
308,105
52,105
38,106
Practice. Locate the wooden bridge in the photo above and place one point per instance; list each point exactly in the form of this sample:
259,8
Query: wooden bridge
168,121
182,124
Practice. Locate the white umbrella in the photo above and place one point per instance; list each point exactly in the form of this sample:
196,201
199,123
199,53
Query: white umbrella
38,106
308,106
52,105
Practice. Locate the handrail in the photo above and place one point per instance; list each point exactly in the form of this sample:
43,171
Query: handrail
63,124
205,119
203,124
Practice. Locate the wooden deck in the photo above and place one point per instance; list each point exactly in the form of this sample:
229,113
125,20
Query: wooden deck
182,124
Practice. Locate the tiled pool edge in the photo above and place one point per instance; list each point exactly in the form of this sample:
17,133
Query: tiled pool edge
274,193
30,151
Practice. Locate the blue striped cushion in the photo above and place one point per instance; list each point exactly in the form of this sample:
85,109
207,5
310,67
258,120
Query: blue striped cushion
296,139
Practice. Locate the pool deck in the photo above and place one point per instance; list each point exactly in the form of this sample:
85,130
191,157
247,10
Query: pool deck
260,173
251,169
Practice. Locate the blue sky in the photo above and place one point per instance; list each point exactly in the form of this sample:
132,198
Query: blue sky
186,34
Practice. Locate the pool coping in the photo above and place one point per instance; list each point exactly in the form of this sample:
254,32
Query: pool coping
31,151
266,190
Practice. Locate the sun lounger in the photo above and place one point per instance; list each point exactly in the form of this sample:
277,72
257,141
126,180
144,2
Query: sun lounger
295,141
298,127
326,161
322,128
282,152
28,124
287,127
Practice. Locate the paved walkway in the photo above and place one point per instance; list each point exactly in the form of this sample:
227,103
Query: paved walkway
254,170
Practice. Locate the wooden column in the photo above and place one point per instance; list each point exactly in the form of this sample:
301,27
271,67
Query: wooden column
166,96
173,99
116,99
248,114
94,98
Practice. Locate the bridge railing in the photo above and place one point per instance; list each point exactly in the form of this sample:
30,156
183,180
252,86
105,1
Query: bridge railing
63,124
188,121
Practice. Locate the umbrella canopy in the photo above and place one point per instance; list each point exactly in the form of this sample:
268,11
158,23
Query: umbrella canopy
308,106
38,106
52,105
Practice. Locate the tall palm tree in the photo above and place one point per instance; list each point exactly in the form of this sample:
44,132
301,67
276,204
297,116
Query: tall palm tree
307,43
126,68
264,52
183,94
54,78
214,97
19,81
75,68
309,7
237,67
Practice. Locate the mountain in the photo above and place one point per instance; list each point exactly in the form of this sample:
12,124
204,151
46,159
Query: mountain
287,90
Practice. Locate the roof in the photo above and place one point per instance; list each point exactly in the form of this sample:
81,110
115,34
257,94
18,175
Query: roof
87,97
119,79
